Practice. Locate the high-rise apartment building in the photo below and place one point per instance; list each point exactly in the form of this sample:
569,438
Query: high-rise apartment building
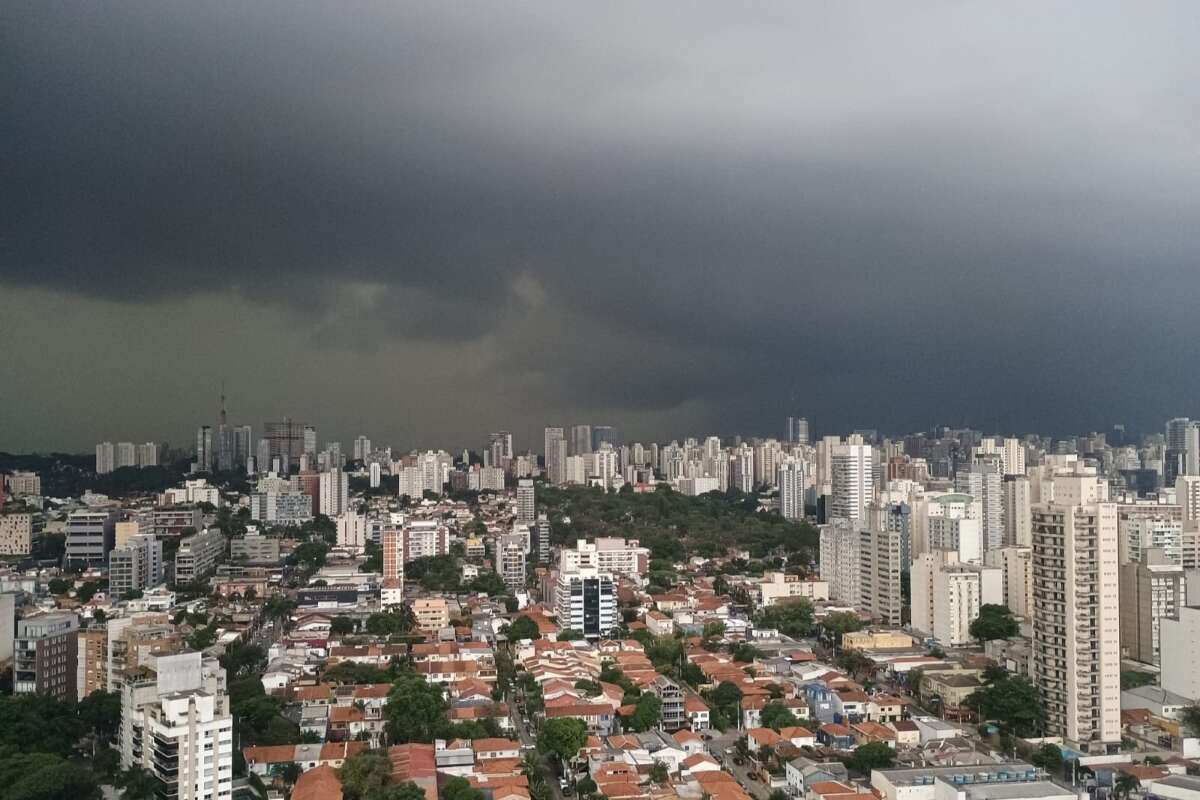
126,455
608,554
741,468
852,481
510,557
16,533
983,481
790,479
135,566
46,655
147,455
175,724
1153,588
1017,511
1013,457
1140,532
604,434
947,595
841,560
106,458
352,531
1076,617
526,501
1016,567
334,492
499,450
586,601
880,554
362,448
286,442
23,484
395,553
542,530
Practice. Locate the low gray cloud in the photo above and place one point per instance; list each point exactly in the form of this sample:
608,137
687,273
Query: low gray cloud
882,215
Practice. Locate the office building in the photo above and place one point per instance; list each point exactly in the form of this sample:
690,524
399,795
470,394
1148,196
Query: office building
254,548
90,536
604,434
852,481
556,456
1152,588
135,566
198,555
352,531
46,655
499,450
1076,618
580,443
205,457
526,501
286,442
797,430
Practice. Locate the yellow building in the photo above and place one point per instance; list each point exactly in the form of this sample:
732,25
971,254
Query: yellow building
877,640
431,613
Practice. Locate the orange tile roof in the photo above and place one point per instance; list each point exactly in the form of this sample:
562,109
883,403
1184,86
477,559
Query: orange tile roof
340,751
494,745
319,783
269,754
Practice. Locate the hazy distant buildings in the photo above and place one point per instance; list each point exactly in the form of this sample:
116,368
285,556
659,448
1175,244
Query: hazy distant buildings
797,430
580,442
556,456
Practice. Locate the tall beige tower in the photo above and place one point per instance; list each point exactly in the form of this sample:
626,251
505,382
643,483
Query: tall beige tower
1076,615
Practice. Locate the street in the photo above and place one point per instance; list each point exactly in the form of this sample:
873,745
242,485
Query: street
721,747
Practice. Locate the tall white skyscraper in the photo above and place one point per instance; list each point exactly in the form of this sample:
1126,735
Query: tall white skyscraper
1013,457
841,560
1076,616
741,473
334,492
791,488
362,448
853,481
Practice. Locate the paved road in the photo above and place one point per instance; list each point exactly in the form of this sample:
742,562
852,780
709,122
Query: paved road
721,746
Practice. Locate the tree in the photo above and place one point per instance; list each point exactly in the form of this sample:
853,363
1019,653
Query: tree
291,773
488,583
841,622
870,756
138,784
365,772
87,591
1047,757
38,723
777,716
588,687
564,736
1190,716
659,773
58,586
387,623
569,635
416,710
645,715
745,653
713,630
1125,785
46,776
1013,702
791,619
587,786
994,622
101,712
398,791
341,625
460,789
779,794
523,627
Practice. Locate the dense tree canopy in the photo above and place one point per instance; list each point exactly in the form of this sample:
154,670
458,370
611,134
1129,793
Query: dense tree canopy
777,716
523,628
673,525
645,715
564,736
994,622
873,755
791,619
416,709
1012,701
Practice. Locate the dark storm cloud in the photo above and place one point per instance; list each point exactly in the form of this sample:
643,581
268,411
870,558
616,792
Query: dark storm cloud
885,211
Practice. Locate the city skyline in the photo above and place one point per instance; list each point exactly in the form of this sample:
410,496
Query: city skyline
888,217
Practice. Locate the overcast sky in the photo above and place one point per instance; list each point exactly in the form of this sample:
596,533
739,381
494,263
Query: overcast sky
424,221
